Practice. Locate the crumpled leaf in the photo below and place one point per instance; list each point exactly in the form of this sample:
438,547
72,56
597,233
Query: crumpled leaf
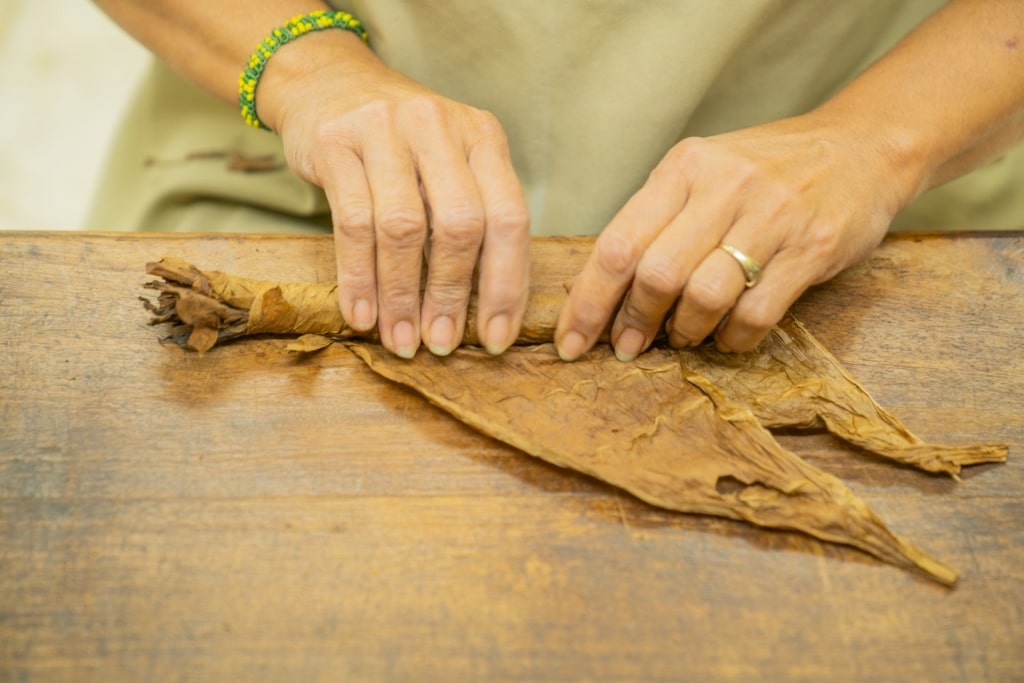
790,381
793,381
681,429
645,428
310,343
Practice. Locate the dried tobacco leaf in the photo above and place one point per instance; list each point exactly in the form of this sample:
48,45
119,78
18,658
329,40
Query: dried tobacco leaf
643,427
230,306
310,343
681,429
793,381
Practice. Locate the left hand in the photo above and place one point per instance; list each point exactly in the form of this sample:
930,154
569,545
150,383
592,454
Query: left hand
804,197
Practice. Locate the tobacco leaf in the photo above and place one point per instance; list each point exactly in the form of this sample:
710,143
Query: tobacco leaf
790,381
681,429
793,381
645,428
310,343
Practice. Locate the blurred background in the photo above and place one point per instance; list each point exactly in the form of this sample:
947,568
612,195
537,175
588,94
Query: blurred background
66,74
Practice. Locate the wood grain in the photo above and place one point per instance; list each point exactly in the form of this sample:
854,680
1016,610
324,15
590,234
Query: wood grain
247,515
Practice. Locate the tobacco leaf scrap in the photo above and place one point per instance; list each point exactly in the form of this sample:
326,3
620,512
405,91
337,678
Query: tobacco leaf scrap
644,428
310,343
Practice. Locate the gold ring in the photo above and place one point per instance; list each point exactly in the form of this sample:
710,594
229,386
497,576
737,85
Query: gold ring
751,268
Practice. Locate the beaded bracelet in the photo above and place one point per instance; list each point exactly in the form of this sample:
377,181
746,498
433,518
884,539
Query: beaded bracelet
297,27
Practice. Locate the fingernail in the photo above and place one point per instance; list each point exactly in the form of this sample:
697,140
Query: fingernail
572,347
403,337
442,336
362,315
497,335
630,344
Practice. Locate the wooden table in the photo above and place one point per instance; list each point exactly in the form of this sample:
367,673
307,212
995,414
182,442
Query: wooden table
248,516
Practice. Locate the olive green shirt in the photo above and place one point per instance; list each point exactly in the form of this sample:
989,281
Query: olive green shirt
592,94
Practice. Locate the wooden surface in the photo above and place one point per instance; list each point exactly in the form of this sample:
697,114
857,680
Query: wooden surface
247,516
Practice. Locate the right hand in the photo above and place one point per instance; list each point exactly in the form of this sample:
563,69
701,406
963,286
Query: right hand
406,170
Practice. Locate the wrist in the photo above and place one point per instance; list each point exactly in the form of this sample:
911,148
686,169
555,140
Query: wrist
291,53
903,156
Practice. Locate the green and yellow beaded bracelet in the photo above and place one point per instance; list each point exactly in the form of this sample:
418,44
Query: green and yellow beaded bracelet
295,28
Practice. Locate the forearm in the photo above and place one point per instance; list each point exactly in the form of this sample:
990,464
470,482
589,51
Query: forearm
210,42
947,98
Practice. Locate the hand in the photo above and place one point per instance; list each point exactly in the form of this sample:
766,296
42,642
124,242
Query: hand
407,171
803,197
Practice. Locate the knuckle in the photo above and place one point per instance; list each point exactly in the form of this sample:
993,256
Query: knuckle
426,110
354,280
402,225
354,221
672,172
744,174
692,149
823,240
508,217
758,320
589,317
378,112
461,224
400,295
683,162
616,255
707,296
316,160
397,305
449,294
784,196
421,115
487,122
659,277
780,202
487,126
331,132
634,314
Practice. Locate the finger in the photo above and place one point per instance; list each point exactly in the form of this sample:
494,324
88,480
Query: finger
348,194
610,268
456,232
505,253
666,267
400,227
762,306
715,286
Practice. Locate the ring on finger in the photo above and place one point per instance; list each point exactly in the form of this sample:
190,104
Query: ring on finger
751,268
